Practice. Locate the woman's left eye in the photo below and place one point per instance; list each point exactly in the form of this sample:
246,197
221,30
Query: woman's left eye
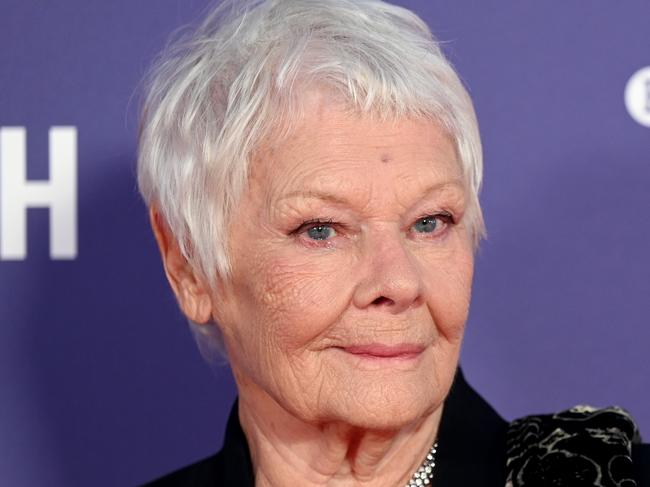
431,223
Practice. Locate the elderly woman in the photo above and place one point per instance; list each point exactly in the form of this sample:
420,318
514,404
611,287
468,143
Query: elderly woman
312,169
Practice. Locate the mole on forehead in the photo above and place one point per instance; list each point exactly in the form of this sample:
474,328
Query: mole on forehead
386,158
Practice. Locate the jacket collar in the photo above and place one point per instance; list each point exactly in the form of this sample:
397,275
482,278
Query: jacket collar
471,440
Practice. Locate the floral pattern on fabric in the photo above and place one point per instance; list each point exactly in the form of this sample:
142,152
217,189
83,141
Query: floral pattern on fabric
582,446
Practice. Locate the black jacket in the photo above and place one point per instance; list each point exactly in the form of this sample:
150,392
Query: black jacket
472,450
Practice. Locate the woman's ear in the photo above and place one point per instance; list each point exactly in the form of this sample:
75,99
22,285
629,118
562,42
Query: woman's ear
191,291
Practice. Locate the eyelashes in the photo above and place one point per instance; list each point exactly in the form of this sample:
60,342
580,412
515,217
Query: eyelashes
435,223
323,230
317,229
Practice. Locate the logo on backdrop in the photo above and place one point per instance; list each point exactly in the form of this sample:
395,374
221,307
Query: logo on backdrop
58,194
637,96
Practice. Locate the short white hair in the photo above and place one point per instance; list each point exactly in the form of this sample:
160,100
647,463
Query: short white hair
219,91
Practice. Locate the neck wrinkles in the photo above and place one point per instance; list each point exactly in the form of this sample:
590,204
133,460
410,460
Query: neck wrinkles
287,451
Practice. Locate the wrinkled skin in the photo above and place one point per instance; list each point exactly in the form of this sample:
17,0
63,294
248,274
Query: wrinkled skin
373,271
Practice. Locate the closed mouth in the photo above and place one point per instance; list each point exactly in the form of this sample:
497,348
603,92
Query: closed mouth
402,351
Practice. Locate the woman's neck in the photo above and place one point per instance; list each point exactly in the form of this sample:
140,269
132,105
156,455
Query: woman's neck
288,451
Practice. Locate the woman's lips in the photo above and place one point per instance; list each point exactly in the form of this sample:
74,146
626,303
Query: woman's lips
403,351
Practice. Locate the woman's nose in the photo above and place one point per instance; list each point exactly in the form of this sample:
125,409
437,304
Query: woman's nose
389,277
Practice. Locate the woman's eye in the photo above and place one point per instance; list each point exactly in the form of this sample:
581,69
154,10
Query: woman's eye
431,223
320,232
316,229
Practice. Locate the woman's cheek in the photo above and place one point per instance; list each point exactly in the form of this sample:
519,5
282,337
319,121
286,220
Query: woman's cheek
453,297
302,298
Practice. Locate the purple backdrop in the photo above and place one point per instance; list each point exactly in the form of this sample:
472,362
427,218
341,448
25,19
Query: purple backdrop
100,380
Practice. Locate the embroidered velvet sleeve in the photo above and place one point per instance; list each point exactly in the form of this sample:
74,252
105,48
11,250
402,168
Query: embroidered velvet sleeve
582,446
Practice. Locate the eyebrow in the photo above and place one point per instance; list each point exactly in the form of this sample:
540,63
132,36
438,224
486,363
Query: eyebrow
333,198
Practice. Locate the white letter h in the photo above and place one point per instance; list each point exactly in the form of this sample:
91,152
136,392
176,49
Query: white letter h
59,194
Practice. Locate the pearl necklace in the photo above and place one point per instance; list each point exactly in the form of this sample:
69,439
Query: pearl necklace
425,473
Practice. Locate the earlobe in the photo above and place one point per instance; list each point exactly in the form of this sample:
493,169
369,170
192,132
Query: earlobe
191,291
196,304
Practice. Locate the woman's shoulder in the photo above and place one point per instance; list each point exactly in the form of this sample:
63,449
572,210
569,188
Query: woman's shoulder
231,466
199,474
582,443
554,449
641,462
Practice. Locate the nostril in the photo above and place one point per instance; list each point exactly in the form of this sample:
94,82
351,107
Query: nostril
382,300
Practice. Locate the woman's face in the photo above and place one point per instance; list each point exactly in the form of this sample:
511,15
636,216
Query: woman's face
351,271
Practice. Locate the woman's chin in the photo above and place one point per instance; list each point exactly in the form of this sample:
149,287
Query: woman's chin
387,413
385,405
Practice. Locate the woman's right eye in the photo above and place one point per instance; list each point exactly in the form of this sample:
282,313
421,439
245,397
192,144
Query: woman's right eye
318,230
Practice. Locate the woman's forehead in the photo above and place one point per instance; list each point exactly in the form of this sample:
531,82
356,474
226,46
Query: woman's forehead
335,152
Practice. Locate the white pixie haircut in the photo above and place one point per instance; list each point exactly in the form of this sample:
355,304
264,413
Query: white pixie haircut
218,92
